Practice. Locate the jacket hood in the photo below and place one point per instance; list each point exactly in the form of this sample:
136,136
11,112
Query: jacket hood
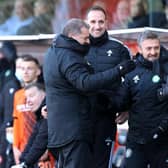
62,41
4,64
9,50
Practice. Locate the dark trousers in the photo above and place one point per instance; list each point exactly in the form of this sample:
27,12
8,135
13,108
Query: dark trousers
154,154
77,154
103,137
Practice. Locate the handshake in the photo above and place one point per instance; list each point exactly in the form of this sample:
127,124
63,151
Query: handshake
126,67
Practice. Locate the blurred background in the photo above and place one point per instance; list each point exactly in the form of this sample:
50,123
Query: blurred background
122,14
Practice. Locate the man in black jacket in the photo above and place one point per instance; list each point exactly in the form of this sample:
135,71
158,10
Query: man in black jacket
69,80
8,86
105,52
148,116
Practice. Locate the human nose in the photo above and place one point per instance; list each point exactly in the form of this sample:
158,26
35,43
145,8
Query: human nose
26,70
97,25
153,51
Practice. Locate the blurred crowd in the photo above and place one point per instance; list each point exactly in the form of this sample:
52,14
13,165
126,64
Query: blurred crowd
20,108
28,18
140,13
47,17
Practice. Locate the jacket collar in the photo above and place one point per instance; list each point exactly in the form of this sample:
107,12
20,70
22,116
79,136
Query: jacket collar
142,61
154,66
62,41
98,41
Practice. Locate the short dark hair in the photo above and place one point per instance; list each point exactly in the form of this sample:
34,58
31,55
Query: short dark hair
39,86
147,35
74,26
96,8
28,58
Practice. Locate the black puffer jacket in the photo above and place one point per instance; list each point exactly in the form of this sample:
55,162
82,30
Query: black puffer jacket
67,79
139,94
8,85
105,53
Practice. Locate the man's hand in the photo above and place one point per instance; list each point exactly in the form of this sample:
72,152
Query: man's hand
44,112
122,117
45,156
126,67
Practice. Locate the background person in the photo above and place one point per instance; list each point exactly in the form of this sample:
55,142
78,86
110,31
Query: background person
23,15
121,16
138,14
42,22
37,143
23,118
8,86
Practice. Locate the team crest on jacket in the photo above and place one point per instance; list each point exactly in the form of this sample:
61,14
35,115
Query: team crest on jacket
109,53
155,79
136,79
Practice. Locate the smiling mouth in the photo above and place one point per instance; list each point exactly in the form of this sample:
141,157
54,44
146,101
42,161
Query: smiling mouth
97,30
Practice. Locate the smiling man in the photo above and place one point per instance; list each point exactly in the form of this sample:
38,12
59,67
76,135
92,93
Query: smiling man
148,114
105,53
149,48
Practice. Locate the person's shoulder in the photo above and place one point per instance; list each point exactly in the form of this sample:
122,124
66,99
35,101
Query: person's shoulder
24,30
119,44
20,92
9,76
12,19
115,41
13,83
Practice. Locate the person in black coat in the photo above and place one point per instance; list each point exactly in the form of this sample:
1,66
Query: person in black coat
8,85
148,110
104,53
69,80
